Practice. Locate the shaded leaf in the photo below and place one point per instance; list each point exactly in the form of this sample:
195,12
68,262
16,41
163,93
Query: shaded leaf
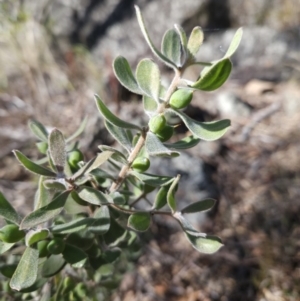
125,76
139,221
115,234
78,131
154,147
183,38
116,154
111,255
45,213
57,149
120,135
214,76
33,167
186,142
195,41
234,43
58,184
161,198
34,236
109,116
101,221
171,46
26,272
42,196
7,211
53,265
38,130
208,131
141,22
118,198
171,194
148,78
73,226
74,256
94,196
152,180
199,206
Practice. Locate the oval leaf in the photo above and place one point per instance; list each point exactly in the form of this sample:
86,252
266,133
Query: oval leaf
152,180
161,198
207,244
154,147
42,196
5,246
150,105
213,77
171,46
34,236
53,265
109,116
195,41
45,213
125,76
139,221
202,205
234,43
7,211
57,149
185,143
78,131
74,256
141,22
73,226
148,78
94,196
33,167
171,194
38,130
101,221
117,155
26,272
207,131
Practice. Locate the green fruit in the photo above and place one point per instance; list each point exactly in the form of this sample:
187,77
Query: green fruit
141,164
42,147
42,248
181,98
213,77
68,285
11,233
56,246
74,157
166,133
157,123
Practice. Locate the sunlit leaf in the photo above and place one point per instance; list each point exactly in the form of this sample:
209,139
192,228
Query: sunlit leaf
152,180
185,143
45,213
38,130
234,43
154,147
161,198
195,41
125,76
208,131
116,154
34,236
139,221
26,272
199,206
73,226
183,39
53,265
171,46
148,78
150,105
57,149
7,211
33,167
101,221
94,196
109,116
171,194
5,246
42,196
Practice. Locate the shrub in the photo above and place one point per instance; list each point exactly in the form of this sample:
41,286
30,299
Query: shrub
85,216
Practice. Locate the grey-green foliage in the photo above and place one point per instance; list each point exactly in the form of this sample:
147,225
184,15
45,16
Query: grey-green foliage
85,214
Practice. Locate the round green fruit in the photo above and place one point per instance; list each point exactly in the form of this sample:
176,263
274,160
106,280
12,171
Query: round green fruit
141,164
157,123
166,133
56,246
181,98
74,157
11,233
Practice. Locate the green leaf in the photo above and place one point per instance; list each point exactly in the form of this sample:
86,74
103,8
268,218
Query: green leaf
161,198
59,184
118,198
74,256
152,180
34,236
116,154
7,211
171,194
163,58
139,221
213,77
109,116
183,38
150,105
31,166
125,76
42,196
101,222
94,196
115,233
111,255
207,131
195,41
208,244
45,213
154,147
148,78
57,149
38,130
199,206
186,142
53,265
5,246
78,131
26,272
73,226
120,135
234,43
171,46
